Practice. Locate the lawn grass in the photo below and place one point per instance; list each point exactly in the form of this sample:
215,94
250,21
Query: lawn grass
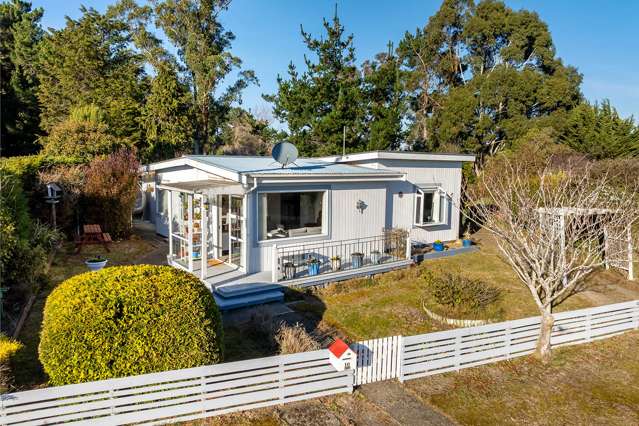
390,304
596,383
27,369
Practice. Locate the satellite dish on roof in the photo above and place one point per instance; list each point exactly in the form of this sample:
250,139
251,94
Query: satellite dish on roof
284,153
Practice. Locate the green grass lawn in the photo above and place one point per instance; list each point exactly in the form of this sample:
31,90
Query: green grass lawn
390,304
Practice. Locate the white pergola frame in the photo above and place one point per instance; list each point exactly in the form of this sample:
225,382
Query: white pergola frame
562,212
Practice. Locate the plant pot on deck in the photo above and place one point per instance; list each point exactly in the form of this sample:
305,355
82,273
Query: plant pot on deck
357,260
438,246
313,267
376,257
336,263
289,270
467,242
96,263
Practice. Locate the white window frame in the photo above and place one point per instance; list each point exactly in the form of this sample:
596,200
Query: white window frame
326,207
439,196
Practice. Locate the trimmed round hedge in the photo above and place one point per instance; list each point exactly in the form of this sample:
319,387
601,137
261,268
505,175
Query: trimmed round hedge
128,320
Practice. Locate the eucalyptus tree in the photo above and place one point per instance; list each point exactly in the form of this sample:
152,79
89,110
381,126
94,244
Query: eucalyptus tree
480,75
204,49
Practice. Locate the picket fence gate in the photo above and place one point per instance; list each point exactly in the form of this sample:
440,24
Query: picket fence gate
194,393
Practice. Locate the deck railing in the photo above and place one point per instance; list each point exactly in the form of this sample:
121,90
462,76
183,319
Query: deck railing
324,257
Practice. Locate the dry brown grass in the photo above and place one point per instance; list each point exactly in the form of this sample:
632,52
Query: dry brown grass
596,383
292,339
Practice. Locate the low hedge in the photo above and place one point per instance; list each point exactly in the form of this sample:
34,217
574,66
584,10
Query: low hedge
8,348
128,320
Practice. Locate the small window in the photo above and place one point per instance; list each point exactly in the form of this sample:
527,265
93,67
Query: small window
430,206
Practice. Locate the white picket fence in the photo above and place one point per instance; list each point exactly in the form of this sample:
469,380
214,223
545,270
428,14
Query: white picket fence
452,350
377,359
193,393
181,395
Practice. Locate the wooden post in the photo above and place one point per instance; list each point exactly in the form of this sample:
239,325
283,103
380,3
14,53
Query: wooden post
631,267
204,251
189,238
563,248
170,225
606,247
274,273
408,247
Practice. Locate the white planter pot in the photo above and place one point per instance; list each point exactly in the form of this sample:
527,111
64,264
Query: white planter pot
96,266
336,264
375,257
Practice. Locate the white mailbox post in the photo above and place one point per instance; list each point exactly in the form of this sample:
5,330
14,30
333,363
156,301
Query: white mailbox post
341,356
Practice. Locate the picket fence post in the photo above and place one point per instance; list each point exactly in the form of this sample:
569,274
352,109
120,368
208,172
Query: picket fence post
400,362
588,327
280,378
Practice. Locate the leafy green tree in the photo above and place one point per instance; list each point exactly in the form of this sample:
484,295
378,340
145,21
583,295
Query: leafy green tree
167,117
20,34
480,75
203,46
83,134
319,104
384,94
600,132
91,61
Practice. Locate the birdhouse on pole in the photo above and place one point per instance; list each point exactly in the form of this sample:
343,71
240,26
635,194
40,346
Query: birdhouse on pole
341,356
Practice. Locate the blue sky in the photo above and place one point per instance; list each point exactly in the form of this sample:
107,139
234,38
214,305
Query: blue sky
599,38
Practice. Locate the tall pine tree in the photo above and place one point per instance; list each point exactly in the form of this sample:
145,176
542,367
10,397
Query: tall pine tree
326,100
20,34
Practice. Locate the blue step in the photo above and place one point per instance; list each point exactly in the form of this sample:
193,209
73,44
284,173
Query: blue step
246,300
235,290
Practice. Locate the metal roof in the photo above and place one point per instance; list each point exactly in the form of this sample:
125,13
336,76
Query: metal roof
260,166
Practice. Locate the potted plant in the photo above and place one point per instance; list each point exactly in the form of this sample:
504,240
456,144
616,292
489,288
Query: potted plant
289,270
336,263
357,259
376,256
438,245
313,264
96,263
466,241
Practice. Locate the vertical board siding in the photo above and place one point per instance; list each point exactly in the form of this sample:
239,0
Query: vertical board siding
194,393
377,359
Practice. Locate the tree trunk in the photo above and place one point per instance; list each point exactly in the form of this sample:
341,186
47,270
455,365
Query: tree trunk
545,332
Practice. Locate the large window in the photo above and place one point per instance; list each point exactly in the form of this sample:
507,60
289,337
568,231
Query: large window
430,206
290,214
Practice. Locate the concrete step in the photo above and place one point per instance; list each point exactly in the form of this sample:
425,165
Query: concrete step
235,290
226,304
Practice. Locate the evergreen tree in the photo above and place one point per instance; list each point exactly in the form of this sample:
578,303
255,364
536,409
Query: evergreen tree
90,61
327,99
203,46
384,94
20,34
598,131
167,116
481,75
245,134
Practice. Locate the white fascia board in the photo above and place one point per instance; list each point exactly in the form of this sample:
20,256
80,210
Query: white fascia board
184,161
399,155
288,179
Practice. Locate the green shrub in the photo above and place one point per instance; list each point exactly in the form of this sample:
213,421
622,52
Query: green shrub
460,294
8,348
128,320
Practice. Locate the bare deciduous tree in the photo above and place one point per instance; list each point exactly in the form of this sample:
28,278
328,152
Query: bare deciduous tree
554,227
